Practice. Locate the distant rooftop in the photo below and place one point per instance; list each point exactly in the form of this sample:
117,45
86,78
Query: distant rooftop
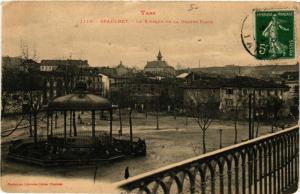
55,62
182,75
159,63
236,82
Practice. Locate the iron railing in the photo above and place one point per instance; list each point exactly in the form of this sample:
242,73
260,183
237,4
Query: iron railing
267,164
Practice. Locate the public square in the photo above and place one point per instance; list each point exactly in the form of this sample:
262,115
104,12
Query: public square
173,142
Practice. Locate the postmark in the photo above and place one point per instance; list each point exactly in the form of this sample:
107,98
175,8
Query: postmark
274,34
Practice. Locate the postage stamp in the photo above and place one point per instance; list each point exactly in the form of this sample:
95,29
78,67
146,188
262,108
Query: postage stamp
274,34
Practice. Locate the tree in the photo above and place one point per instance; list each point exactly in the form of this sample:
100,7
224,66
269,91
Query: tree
238,108
273,108
26,82
32,85
27,52
10,85
204,111
175,95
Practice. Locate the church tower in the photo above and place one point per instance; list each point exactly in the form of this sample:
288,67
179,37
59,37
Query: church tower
159,56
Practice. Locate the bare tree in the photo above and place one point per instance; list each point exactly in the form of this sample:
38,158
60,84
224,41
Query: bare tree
258,114
238,108
9,86
24,49
273,109
27,52
204,111
25,82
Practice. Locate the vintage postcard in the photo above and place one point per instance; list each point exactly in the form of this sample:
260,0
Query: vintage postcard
150,97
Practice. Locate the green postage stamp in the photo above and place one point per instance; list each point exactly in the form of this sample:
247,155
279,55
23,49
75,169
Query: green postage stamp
274,34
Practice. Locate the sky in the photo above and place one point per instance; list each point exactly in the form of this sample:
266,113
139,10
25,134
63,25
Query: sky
58,30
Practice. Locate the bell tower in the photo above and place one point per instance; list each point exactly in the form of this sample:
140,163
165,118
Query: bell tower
159,56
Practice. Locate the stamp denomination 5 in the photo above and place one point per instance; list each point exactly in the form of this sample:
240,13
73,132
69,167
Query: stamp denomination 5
274,34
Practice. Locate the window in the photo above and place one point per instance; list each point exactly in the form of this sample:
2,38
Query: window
229,91
296,89
229,102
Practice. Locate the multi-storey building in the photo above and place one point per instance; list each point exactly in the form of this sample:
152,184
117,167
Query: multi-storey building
232,92
64,75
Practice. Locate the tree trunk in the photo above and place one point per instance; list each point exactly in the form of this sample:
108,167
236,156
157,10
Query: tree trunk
186,119
74,124
51,123
174,112
55,121
130,125
203,141
30,124
71,123
221,145
4,103
48,123
253,113
250,116
35,127
257,126
235,131
157,120
146,110
120,118
235,124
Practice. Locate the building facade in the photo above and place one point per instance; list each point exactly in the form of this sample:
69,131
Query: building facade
233,93
64,75
159,67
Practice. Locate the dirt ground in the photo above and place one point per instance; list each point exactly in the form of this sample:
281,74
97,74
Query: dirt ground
175,141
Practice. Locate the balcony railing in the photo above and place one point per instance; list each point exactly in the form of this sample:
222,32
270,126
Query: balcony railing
267,164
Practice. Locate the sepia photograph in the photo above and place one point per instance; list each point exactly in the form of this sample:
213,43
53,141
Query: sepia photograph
156,97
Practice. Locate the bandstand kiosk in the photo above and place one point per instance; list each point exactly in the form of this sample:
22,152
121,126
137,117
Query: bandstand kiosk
73,147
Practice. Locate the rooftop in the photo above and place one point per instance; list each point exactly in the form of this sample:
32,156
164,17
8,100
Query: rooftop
80,100
57,62
159,63
236,82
